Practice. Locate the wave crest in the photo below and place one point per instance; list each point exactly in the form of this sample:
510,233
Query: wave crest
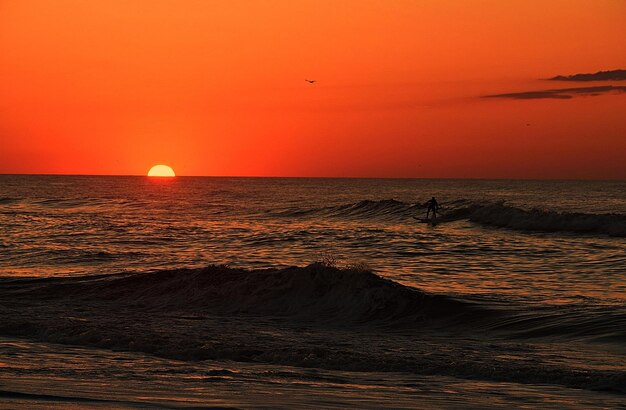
490,214
316,292
510,217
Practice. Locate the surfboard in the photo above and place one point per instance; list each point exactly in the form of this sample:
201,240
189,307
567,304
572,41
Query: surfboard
426,220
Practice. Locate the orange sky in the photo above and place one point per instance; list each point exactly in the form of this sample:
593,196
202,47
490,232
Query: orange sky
217,88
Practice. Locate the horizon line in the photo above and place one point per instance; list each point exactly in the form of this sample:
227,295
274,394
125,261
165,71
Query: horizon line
324,177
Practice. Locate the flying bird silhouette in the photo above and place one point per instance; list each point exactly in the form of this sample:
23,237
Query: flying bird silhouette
310,81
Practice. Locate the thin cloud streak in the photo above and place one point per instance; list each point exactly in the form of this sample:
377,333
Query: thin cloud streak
561,93
611,75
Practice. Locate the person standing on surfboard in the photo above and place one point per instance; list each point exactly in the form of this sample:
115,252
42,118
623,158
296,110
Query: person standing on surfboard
432,206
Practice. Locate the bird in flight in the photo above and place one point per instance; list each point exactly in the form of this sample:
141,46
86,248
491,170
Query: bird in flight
310,81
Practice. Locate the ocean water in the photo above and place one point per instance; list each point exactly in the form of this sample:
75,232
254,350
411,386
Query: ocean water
320,293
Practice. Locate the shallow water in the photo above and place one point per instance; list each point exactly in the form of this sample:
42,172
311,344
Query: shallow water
139,380
517,298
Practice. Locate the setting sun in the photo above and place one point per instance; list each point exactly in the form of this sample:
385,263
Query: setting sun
161,171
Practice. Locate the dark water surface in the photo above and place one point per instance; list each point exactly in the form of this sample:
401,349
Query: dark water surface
520,290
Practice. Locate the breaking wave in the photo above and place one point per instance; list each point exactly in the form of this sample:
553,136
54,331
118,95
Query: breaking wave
489,214
317,292
316,316
510,217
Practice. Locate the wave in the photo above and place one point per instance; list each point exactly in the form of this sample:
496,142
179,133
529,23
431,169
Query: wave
383,209
35,205
8,200
510,217
78,203
316,292
490,214
322,294
315,316
49,400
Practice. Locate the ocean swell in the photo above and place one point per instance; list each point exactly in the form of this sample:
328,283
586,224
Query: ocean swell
388,209
504,216
316,293
495,214
8,200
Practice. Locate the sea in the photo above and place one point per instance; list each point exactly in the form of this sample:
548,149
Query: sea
216,292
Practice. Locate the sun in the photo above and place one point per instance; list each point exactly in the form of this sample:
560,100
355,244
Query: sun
161,171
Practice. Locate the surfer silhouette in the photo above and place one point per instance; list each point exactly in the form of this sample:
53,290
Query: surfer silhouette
432,206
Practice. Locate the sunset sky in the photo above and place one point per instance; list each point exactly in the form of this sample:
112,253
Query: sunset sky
218,88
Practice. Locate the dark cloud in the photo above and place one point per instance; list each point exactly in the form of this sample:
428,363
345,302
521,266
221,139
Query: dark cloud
612,75
562,93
